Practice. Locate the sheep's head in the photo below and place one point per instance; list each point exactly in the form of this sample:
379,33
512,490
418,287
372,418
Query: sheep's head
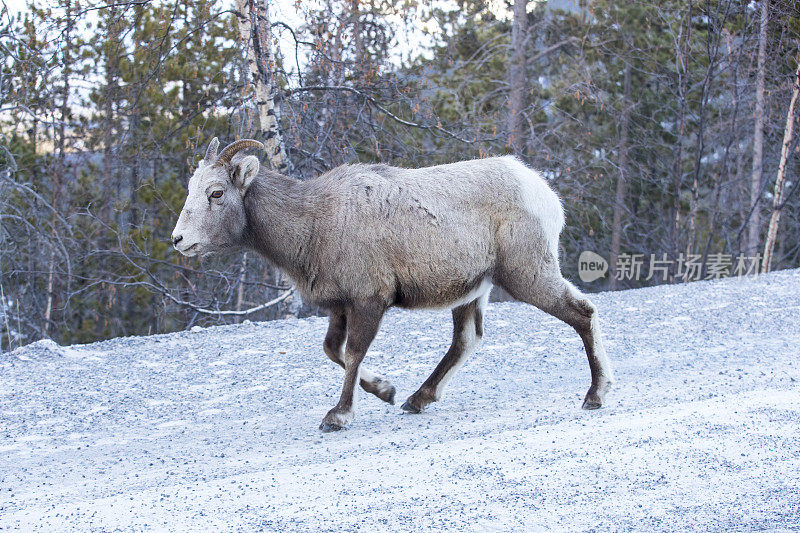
213,217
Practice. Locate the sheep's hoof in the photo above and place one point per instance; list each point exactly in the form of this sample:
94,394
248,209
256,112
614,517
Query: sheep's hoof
410,408
590,405
390,399
325,427
592,401
382,389
596,394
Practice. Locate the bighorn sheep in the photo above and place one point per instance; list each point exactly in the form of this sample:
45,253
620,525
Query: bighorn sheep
362,238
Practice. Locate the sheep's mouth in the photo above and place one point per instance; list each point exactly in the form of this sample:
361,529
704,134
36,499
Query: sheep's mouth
187,251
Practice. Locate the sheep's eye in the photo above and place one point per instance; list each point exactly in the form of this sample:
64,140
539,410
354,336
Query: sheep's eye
216,194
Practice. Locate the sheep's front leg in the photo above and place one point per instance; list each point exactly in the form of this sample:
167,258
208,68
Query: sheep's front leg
334,344
362,326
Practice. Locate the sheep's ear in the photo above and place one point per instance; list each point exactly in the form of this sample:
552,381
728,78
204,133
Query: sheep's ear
244,171
211,152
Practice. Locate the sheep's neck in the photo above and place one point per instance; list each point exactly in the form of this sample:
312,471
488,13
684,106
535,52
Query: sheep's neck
277,220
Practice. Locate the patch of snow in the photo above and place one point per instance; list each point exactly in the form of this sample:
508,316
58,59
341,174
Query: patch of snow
701,431
44,348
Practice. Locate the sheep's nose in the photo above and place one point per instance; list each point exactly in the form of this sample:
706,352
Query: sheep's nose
176,240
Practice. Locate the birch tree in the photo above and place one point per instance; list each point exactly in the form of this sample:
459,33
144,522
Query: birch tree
777,197
255,35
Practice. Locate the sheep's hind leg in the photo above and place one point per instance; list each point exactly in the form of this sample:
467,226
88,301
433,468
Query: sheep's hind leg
334,342
554,295
467,334
362,325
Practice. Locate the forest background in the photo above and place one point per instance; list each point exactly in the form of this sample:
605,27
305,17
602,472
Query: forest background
667,127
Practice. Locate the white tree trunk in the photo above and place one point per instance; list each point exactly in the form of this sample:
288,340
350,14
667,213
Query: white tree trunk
777,197
256,38
240,289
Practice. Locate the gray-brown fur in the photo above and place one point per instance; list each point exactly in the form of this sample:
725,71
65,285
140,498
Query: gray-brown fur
362,238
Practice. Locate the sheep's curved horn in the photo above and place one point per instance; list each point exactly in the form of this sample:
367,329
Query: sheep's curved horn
230,150
211,153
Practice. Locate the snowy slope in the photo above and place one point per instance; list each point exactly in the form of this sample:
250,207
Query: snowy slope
217,429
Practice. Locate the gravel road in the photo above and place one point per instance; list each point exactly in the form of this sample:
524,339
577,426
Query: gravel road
216,429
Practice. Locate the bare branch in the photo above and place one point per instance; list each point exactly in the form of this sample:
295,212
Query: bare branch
386,112
265,305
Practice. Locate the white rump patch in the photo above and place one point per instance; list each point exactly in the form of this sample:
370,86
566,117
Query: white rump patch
540,200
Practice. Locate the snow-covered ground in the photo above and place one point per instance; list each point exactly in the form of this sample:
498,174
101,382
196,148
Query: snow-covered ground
217,429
